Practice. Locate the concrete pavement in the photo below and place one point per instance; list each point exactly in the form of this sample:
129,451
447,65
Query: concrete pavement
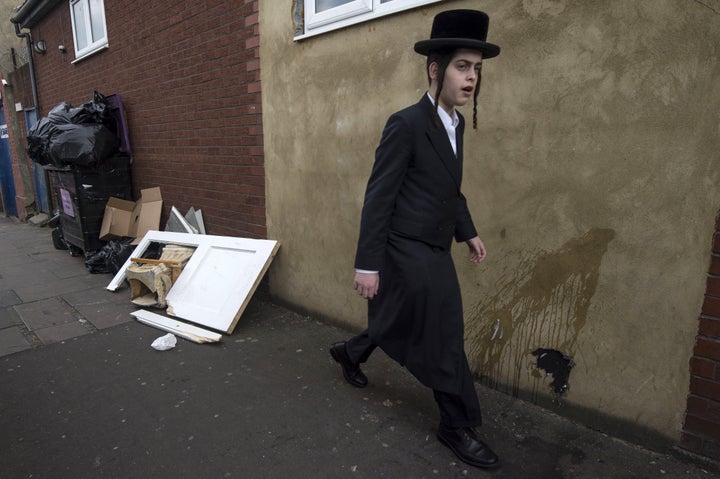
83,395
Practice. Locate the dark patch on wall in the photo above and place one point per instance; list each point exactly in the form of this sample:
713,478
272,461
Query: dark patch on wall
544,300
298,14
557,365
22,88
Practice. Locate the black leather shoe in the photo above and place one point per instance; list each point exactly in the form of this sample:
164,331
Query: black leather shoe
351,371
467,447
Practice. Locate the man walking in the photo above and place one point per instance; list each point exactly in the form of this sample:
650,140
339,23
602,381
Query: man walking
413,209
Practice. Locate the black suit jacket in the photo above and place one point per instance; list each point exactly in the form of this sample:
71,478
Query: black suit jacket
413,209
414,187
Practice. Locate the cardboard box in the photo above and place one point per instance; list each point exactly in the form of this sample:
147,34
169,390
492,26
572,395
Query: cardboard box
117,219
132,219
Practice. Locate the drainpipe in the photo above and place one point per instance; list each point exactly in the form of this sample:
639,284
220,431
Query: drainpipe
27,181
33,82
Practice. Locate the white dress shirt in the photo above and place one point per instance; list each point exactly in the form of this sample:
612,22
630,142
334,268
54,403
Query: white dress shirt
450,122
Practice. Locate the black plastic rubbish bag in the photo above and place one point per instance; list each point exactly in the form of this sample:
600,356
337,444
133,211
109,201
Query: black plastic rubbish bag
38,139
67,122
81,145
94,111
111,257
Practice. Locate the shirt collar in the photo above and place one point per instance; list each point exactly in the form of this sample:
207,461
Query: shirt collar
448,121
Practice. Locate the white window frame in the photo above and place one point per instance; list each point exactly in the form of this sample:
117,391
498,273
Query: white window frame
356,11
315,19
93,45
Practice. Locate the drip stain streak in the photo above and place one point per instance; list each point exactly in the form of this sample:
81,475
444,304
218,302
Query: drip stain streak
542,303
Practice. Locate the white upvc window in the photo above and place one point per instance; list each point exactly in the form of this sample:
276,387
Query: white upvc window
325,15
88,22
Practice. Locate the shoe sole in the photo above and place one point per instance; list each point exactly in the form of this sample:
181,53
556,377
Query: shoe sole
347,380
466,461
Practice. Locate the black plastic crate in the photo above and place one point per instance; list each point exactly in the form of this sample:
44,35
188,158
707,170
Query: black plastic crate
81,195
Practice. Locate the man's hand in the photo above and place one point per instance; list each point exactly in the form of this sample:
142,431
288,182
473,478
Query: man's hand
477,249
367,284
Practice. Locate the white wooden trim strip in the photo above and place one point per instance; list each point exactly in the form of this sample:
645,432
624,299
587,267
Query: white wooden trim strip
187,331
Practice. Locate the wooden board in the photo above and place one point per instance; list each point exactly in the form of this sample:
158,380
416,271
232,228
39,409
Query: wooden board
187,331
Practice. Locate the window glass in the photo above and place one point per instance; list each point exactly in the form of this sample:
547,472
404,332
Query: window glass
81,38
97,19
322,5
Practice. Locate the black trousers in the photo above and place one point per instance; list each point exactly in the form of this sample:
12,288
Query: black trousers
456,410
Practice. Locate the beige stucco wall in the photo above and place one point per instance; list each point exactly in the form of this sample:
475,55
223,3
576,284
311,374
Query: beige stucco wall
593,179
8,38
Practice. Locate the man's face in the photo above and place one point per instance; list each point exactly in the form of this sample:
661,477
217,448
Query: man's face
461,76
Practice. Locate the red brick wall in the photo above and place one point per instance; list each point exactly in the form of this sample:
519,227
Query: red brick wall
189,76
701,433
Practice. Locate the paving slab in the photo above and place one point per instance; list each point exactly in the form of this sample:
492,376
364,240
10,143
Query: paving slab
8,298
62,265
8,318
12,341
62,332
50,286
103,308
46,313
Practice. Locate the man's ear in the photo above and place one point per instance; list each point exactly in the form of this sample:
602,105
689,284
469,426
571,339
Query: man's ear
433,71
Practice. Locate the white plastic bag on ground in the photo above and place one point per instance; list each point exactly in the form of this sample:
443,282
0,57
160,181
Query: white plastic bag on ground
163,343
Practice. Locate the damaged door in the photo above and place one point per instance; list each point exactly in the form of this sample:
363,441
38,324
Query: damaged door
219,279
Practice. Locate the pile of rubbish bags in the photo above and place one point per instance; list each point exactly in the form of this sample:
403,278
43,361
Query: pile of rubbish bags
78,136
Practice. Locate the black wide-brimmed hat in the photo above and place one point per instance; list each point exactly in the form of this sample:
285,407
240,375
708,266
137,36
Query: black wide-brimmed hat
454,29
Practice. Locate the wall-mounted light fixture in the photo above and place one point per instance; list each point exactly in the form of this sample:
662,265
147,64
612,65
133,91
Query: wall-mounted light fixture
62,49
40,47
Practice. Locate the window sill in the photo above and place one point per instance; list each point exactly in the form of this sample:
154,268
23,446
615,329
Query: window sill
90,53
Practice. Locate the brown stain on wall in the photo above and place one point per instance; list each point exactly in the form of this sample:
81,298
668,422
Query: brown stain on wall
544,303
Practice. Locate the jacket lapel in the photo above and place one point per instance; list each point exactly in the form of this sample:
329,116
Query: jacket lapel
459,135
441,143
